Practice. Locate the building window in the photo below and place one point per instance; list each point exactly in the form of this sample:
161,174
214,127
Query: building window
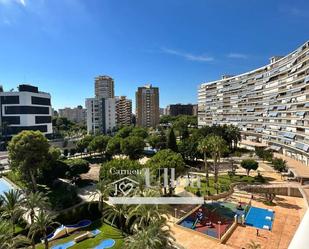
42,119
26,110
11,120
40,101
9,99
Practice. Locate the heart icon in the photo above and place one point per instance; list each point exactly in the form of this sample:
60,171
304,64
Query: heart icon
125,188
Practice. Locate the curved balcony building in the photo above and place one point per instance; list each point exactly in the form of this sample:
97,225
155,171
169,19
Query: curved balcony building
269,104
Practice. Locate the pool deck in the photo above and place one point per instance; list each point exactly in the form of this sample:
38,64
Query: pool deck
288,214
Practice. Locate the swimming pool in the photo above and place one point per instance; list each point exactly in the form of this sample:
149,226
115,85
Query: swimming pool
4,186
260,218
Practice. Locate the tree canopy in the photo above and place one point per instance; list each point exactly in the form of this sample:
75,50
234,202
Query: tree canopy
249,164
28,152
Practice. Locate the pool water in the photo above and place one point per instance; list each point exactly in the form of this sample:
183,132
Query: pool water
108,243
260,218
5,186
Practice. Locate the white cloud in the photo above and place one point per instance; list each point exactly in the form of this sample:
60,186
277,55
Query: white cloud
188,56
237,56
8,2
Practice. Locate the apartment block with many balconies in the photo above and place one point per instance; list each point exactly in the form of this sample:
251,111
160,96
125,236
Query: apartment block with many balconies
270,104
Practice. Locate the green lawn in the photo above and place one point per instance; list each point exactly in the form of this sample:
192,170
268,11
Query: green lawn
107,232
224,183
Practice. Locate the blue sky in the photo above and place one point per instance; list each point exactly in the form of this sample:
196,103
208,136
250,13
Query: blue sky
61,45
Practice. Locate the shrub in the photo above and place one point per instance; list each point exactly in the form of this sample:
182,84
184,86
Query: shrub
279,164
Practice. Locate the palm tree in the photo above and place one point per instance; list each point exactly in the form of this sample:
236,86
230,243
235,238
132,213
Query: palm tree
156,236
233,135
103,190
42,221
253,245
33,201
11,206
217,146
117,215
203,148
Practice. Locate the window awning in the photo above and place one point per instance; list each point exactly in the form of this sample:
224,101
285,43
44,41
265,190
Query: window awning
281,108
306,105
300,113
303,147
306,79
259,76
273,114
250,109
289,135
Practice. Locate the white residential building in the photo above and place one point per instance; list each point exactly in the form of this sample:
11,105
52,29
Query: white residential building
269,104
25,109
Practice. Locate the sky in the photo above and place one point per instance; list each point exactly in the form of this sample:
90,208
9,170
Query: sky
61,45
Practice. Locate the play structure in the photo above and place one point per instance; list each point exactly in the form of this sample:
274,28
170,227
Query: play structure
82,237
215,218
64,230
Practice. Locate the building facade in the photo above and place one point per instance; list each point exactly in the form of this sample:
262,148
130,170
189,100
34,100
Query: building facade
147,106
101,110
123,111
77,114
269,104
25,109
104,87
181,109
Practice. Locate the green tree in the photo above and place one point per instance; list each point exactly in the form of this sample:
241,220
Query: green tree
83,144
8,240
114,146
279,164
28,152
98,143
139,132
42,222
34,201
171,140
133,147
203,148
233,136
76,168
216,146
166,159
117,215
103,191
265,155
11,206
157,141
124,132
156,236
249,164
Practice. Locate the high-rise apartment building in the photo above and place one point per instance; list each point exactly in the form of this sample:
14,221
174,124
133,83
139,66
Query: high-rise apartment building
147,106
104,87
270,104
25,109
181,109
101,110
77,114
123,111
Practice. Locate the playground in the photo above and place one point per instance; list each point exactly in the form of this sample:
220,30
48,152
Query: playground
213,219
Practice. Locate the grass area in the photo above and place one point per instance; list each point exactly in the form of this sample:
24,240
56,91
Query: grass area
107,232
224,183
15,178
